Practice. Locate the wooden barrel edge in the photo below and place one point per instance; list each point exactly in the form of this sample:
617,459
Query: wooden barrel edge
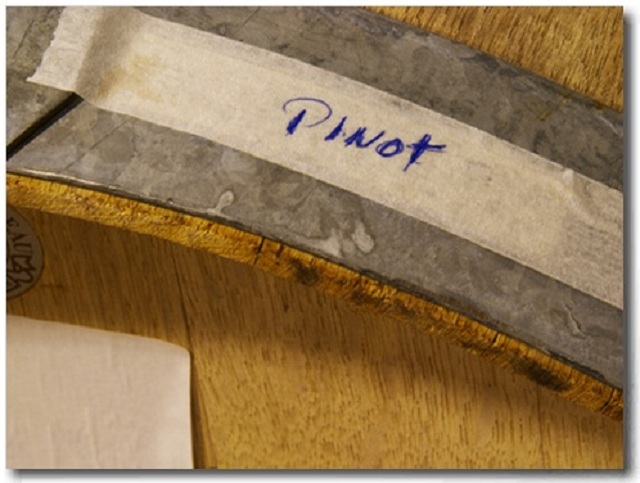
293,264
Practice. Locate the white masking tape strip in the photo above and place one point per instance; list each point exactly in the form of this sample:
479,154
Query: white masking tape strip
345,133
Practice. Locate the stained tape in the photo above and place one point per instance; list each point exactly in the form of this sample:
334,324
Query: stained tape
363,140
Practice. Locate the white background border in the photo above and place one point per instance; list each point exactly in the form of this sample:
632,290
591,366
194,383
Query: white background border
631,182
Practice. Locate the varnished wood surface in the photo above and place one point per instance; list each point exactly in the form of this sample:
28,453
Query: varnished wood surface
289,376
293,264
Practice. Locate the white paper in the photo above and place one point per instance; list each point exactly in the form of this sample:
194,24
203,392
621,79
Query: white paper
82,398
495,194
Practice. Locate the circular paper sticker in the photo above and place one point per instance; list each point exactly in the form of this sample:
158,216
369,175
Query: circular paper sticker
24,255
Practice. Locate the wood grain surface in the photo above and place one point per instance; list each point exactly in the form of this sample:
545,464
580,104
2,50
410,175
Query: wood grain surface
285,375
577,47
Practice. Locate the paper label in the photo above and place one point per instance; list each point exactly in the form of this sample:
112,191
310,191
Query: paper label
82,398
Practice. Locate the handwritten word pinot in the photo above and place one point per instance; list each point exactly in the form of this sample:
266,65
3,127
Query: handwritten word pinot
311,112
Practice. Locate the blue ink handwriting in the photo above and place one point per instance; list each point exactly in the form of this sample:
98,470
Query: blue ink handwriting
315,112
